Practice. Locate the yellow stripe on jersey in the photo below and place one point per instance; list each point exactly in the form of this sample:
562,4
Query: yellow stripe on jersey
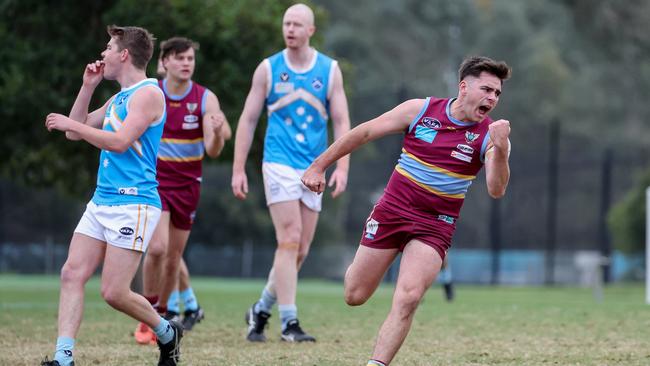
181,141
439,169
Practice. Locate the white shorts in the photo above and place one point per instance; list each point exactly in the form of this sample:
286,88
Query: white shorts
282,183
124,226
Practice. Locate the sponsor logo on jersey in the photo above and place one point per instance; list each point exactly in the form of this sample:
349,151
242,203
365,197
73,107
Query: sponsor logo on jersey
460,156
471,137
465,148
126,231
431,123
190,118
174,104
284,76
190,126
129,191
445,218
282,88
317,83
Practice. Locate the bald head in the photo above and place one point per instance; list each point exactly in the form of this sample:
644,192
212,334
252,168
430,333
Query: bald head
302,12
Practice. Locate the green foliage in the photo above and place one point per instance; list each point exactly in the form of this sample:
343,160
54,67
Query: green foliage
47,44
627,219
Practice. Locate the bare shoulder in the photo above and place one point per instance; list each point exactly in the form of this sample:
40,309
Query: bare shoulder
411,107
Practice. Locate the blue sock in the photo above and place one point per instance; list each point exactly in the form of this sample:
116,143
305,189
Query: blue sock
445,275
189,299
172,302
64,347
164,331
266,302
287,312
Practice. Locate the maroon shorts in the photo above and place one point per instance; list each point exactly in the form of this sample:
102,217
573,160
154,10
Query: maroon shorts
389,228
181,203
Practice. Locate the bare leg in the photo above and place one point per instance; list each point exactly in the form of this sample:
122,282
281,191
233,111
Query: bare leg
183,276
288,226
309,221
419,267
120,266
84,256
365,273
177,242
155,256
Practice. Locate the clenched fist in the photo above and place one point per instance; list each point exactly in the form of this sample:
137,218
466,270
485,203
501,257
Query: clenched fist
499,132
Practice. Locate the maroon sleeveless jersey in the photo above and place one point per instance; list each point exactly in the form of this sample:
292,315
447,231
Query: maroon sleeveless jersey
440,158
181,148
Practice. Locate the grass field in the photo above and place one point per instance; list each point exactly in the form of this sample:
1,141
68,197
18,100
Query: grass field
484,326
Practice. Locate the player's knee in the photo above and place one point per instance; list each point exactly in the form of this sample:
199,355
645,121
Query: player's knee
71,274
156,249
113,295
408,299
355,296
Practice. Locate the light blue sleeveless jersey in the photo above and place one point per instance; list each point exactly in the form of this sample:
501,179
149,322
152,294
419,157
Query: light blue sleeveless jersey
129,177
298,110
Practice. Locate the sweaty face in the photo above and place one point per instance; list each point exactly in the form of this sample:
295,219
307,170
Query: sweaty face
296,28
481,96
180,65
111,57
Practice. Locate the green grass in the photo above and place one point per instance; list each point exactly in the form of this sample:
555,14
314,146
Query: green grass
484,326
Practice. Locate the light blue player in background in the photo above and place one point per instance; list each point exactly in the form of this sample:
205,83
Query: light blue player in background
302,89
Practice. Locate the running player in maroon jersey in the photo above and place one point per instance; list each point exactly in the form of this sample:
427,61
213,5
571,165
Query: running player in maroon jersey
195,126
446,143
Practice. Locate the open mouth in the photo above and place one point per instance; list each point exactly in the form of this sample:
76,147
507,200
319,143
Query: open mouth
483,109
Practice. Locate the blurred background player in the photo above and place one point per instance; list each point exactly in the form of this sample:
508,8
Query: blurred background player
446,143
119,221
195,126
301,89
446,279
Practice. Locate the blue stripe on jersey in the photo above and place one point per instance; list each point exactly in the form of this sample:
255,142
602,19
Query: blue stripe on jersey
484,146
298,111
129,177
438,180
181,150
176,97
452,119
417,118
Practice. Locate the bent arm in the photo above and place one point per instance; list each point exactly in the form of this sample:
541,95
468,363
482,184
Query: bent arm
249,117
214,139
497,170
79,112
145,107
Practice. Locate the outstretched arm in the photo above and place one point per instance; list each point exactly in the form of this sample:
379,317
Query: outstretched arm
393,121
497,168
246,130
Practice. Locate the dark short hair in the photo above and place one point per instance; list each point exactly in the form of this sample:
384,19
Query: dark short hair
176,45
475,65
137,40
